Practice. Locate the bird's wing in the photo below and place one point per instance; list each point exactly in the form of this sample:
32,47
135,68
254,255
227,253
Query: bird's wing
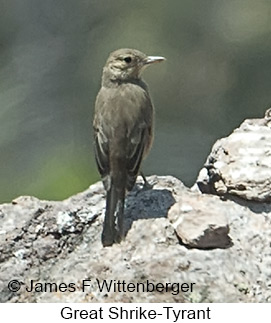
139,141
101,141
101,151
135,156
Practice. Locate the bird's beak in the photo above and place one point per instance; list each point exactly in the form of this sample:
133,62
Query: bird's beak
154,59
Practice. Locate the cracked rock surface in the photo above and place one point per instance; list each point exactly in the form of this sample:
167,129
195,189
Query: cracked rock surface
239,165
59,243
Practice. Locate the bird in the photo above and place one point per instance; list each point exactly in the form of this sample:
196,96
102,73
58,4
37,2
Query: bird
123,132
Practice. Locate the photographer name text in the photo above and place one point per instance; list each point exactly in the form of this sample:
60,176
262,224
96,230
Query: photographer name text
103,286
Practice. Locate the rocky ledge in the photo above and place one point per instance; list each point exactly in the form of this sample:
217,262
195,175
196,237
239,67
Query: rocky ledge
210,243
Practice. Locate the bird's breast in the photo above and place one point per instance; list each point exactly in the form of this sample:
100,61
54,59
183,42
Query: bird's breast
124,106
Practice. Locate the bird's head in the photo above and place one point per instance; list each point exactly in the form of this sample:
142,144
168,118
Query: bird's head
124,65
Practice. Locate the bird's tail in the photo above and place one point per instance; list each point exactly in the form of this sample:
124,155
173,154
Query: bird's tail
113,222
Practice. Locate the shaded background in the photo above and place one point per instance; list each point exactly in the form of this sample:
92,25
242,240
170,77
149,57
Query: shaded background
217,73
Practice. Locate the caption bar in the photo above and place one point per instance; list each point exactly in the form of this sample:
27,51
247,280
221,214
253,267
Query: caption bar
149,312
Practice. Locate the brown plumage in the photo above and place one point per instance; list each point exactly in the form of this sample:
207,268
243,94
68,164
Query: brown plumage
123,132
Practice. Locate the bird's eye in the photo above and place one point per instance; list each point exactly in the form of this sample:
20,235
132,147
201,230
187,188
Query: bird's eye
128,59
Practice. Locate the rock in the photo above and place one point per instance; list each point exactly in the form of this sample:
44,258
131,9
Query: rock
239,165
55,243
200,221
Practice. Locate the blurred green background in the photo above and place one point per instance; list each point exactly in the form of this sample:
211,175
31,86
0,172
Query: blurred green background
217,73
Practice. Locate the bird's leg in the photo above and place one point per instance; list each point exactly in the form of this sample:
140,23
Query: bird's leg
147,185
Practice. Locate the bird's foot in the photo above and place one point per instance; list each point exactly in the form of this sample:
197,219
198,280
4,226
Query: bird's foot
146,185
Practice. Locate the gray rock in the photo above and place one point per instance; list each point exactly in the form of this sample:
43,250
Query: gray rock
58,243
239,165
200,221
